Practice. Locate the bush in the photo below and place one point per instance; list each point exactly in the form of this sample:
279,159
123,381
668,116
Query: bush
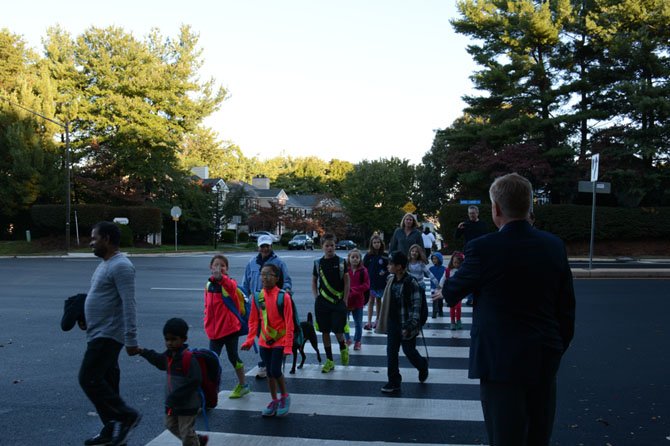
228,236
243,237
126,236
573,222
49,219
286,237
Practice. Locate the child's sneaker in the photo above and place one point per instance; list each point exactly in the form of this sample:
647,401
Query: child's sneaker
203,439
452,326
328,366
261,373
348,341
239,391
344,356
458,325
357,345
284,405
367,326
271,409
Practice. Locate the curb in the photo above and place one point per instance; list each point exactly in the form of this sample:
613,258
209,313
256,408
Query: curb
620,273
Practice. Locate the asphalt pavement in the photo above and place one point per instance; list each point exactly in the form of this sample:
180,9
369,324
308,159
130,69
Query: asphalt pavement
613,385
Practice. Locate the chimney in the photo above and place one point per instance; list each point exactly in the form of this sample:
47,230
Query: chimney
261,183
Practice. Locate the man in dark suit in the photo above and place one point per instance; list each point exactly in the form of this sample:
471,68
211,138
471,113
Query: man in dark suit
523,317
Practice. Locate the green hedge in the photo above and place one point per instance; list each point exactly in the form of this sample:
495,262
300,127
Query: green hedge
573,222
49,219
228,236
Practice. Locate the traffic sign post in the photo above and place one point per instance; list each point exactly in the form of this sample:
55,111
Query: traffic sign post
595,164
176,213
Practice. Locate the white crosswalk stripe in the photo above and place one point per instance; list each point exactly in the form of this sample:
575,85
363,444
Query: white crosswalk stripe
360,373
444,410
221,438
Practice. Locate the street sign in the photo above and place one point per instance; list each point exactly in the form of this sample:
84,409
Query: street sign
175,212
409,207
471,201
595,161
601,187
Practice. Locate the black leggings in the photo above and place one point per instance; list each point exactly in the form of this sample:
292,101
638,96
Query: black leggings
230,341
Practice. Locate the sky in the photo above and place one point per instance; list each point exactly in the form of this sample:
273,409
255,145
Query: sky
349,80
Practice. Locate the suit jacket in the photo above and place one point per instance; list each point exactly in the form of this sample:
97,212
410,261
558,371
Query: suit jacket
524,301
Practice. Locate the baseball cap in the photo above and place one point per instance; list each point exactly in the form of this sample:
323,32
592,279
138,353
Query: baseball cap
264,240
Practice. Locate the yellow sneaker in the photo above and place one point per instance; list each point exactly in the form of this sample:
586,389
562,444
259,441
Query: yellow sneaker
328,366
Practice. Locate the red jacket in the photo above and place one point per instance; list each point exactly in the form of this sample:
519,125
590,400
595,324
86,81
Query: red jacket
359,283
219,320
277,321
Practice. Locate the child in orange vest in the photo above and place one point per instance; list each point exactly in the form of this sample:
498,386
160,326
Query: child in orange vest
275,336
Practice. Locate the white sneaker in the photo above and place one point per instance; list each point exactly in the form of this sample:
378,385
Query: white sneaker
261,373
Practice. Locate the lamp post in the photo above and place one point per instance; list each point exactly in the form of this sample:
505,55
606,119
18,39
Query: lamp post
65,126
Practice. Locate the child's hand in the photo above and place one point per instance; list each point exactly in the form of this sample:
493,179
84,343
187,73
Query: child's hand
437,294
288,351
246,345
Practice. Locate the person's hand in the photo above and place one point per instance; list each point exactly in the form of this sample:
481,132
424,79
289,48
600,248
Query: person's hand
437,294
82,324
461,225
246,345
404,333
132,351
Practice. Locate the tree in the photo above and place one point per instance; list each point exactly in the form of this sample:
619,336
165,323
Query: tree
31,163
136,101
375,191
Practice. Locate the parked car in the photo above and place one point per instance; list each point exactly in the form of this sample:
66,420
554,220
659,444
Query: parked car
345,244
254,236
301,241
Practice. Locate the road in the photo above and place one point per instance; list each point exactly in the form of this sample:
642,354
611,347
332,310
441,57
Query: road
613,386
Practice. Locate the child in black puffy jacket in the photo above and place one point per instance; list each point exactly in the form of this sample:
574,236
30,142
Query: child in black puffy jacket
182,396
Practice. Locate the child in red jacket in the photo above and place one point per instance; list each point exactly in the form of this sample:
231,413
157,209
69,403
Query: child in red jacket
275,331
222,326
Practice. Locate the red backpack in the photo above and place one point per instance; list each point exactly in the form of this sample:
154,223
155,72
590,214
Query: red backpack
211,373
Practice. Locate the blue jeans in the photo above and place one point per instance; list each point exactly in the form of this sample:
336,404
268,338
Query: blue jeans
358,323
393,343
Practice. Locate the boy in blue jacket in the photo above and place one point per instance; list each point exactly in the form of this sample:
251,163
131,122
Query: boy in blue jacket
182,396
438,271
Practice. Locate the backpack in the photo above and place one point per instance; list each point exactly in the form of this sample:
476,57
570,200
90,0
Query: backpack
244,305
210,367
298,337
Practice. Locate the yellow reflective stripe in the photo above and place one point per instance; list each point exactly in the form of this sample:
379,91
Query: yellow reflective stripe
266,330
339,294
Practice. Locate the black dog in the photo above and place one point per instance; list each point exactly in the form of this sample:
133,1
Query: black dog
308,334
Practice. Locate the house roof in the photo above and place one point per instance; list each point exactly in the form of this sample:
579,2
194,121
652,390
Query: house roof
303,201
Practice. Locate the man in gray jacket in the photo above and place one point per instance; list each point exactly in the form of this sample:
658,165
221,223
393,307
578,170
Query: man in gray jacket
110,325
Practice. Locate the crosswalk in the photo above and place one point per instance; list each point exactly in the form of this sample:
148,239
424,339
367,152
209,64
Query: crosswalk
346,407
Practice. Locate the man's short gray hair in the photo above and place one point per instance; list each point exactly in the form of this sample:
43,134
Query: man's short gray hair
513,194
